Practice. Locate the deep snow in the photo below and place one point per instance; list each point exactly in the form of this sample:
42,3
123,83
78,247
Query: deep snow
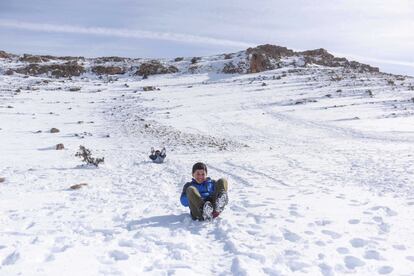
320,175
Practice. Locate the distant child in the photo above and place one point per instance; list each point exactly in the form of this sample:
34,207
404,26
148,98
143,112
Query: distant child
158,156
205,197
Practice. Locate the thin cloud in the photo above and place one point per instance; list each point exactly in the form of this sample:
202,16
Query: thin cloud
128,33
377,60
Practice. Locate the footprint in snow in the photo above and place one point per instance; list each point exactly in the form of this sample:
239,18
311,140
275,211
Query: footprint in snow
399,246
353,221
310,233
323,222
320,243
11,258
295,214
372,255
385,270
389,212
126,243
342,250
332,234
59,249
341,196
382,226
352,262
357,242
290,236
326,270
118,255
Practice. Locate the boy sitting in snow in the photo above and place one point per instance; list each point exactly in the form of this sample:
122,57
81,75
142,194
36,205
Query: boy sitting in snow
205,197
158,156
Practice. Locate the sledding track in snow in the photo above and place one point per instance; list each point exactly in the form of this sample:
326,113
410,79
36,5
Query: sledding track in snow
311,193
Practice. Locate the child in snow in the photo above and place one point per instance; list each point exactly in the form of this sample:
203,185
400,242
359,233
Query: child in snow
158,156
205,197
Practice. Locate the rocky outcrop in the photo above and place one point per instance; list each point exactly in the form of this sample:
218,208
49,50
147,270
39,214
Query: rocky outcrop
3,54
68,69
322,57
264,57
111,59
231,68
154,67
271,51
253,60
108,70
34,59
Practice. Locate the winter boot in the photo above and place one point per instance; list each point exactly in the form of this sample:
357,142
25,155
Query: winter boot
221,202
208,211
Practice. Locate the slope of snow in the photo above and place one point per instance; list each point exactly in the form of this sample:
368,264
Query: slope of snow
319,185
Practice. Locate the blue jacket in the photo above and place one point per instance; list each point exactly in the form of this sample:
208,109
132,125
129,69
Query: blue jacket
206,190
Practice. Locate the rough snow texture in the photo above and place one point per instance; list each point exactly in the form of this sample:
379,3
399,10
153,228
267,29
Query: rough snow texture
319,162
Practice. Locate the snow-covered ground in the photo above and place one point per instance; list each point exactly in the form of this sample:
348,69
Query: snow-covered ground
320,173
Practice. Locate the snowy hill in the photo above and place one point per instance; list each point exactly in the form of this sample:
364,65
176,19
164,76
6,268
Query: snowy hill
317,151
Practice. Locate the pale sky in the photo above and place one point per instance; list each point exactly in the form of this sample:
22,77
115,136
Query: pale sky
375,32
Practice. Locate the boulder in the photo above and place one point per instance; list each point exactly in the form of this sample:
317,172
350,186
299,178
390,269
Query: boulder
108,70
155,67
54,130
60,147
78,186
2,179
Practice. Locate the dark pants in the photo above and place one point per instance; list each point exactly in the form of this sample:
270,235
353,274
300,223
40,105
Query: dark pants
196,202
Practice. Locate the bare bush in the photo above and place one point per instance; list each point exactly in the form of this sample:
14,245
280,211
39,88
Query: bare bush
86,156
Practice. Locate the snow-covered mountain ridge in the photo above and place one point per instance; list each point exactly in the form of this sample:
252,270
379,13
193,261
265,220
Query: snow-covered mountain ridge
252,60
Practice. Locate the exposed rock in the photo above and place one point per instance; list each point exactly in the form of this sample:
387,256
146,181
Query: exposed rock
263,57
178,59
155,67
227,56
34,59
259,63
54,130
271,51
68,69
9,72
323,57
111,59
2,179
108,70
3,54
74,59
230,68
149,88
78,186
194,60
74,89
60,147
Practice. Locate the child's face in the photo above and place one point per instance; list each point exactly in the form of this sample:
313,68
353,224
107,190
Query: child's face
200,176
